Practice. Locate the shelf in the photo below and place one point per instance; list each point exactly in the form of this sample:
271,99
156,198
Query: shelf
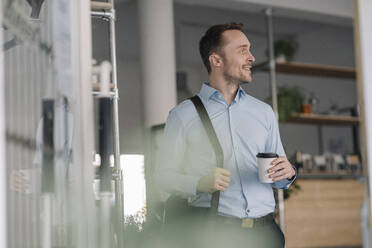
324,119
328,175
310,69
100,6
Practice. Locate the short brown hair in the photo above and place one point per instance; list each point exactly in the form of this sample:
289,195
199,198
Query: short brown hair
212,40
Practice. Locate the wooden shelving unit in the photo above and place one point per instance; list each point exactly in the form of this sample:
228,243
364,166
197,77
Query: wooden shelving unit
315,70
328,175
310,69
318,119
290,212
330,210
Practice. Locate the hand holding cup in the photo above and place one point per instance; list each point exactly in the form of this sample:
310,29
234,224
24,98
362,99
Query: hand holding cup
281,169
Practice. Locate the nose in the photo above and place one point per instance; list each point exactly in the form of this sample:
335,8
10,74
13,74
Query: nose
251,58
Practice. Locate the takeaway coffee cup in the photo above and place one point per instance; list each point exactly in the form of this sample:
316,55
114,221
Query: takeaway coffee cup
264,163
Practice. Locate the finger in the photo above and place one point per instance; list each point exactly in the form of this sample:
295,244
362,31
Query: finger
282,166
284,172
21,188
17,174
291,173
224,178
279,173
20,180
17,188
281,178
18,185
222,171
220,185
223,184
221,188
278,160
277,167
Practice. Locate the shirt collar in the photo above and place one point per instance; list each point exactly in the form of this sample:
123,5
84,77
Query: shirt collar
241,92
207,92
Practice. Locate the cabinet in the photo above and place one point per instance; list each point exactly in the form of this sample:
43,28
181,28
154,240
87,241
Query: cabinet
325,213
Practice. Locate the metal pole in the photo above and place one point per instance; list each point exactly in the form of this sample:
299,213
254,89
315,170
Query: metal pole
20,230
47,169
114,80
105,149
105,205
11,158
118,177
3,184
270,34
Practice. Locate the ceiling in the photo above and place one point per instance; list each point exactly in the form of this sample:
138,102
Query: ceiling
338,12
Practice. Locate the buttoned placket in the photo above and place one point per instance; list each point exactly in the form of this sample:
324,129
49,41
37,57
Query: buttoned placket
236,149
219,98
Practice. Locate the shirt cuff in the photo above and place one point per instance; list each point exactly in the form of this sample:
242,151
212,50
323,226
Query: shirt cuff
286,183
191,183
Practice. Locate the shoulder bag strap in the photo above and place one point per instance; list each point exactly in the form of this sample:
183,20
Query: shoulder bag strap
203,114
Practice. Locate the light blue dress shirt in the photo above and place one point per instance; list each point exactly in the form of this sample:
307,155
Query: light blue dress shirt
245,128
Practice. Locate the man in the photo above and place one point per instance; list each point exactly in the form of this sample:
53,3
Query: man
245,127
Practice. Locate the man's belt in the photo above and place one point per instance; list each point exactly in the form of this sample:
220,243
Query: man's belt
247,222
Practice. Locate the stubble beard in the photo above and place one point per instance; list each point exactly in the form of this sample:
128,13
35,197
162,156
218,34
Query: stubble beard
236,80
241,79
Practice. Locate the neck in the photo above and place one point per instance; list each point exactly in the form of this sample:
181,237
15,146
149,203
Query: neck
228,89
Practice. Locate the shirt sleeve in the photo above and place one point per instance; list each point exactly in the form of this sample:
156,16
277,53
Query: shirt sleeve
274,144
169,167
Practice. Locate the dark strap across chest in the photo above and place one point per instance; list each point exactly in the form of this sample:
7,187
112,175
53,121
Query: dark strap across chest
203,114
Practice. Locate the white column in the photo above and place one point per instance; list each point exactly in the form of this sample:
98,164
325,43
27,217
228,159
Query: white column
158,64
3,215
363,43
83,131
364,73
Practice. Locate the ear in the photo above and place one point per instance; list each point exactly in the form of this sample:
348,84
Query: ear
215,60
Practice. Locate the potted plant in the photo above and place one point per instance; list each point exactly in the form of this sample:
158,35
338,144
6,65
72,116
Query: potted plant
290,100
285,49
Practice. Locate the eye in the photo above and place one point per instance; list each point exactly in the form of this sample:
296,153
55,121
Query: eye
244,50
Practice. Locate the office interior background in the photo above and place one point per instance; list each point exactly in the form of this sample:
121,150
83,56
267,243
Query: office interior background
86,87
